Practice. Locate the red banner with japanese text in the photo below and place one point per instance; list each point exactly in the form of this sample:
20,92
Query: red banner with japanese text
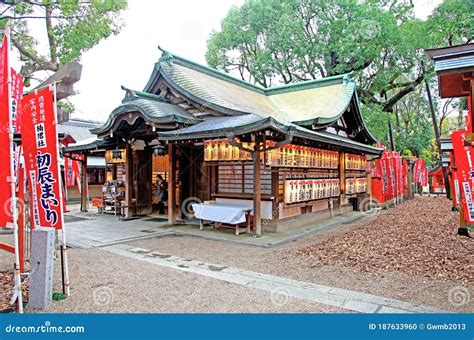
416,170
424,181
385,177
462,155
390,173
457,194
5,188
73,172
405,175
420,171
16,93
39,137
68,172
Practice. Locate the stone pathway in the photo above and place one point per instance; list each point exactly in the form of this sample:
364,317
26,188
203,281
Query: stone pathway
103,230
92,230
282,289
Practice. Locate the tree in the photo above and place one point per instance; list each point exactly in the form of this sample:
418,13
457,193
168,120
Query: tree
72,27
272,41
379,41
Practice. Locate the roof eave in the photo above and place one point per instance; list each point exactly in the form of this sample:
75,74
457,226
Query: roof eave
264,123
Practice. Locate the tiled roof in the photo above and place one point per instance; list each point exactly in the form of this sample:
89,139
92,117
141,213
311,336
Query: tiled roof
317,101
218,127
451,64
219,124
78,129
154,108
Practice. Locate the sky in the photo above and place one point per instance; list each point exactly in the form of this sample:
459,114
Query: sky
179,26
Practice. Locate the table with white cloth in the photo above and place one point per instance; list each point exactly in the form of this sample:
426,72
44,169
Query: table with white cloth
223,215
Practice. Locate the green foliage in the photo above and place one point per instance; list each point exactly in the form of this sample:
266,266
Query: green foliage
451,23
380,41
66,106
59,296
72,27
86,27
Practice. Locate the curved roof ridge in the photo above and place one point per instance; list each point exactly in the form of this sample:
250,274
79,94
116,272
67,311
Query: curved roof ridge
171,58
147,95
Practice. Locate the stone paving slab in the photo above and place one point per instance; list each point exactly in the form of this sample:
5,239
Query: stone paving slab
277,286
97,230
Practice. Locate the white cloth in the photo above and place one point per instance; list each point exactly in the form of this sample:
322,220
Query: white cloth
224,213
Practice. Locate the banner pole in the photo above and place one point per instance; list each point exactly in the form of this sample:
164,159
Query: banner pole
65,269
14,210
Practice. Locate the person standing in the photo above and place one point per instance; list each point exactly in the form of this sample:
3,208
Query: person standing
161,193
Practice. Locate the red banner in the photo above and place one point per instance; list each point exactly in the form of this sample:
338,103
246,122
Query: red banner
457,194
39,137
5,188
424,181
68,172
385,181
16,93
405,175
462,155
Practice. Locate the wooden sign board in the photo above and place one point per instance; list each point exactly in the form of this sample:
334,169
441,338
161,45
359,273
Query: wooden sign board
116,156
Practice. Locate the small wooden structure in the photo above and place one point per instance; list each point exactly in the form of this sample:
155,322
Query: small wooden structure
436,180
288,150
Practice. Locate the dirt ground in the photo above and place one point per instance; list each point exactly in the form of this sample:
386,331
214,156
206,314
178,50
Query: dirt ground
105,282
394,281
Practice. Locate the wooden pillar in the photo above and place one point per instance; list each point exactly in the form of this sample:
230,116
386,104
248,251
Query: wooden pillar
213,180
257,193
129,182
84,200
275,181
171,184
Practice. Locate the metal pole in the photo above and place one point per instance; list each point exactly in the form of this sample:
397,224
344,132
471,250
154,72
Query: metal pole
65,269
14,210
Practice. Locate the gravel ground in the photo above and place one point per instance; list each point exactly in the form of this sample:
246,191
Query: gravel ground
105,282
102,282
284,261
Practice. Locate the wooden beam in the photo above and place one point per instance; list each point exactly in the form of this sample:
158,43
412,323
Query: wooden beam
172,184
257,190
